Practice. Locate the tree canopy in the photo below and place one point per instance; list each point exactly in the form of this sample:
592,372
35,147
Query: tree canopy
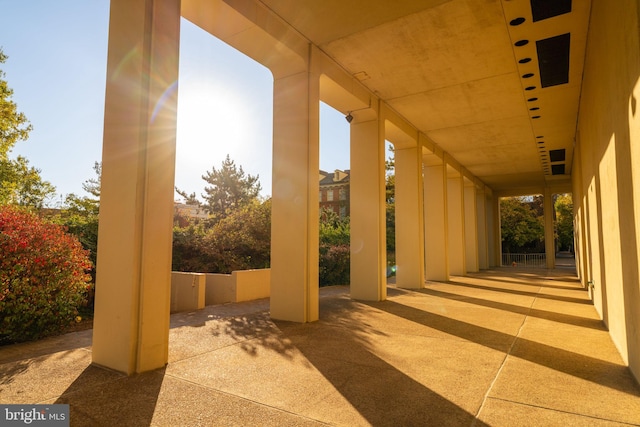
522,228
564,222
20,184
230,189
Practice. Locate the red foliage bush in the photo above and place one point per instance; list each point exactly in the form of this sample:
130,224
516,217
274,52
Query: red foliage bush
43,276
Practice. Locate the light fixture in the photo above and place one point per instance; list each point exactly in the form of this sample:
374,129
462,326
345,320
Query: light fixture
349,117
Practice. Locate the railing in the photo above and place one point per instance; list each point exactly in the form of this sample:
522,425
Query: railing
524,260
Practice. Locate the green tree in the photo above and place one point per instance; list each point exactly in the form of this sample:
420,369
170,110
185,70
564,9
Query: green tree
189,199
334,253
80,216
239,241
390,189
230,189
522,230
20,184
188,252
14,125
564,222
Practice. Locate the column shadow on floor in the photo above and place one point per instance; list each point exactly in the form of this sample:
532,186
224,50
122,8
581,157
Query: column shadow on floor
529,282
523,293
100,396
578,365
568,319
381,393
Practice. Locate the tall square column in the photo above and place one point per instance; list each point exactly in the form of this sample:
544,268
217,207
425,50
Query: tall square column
409,218
495,232
133,283
295,208
470,227
483,246
368,211
435,223
455,214
549,234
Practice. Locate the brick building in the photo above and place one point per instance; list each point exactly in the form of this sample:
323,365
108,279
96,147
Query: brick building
334,191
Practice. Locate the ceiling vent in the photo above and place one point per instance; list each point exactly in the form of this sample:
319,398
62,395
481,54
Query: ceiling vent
545,9
553,60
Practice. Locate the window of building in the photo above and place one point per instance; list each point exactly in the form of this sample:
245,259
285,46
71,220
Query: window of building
330,195
320,195
343,194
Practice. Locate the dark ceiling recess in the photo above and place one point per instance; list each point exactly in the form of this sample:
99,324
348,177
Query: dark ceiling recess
557,155
553,59
543,9
557,169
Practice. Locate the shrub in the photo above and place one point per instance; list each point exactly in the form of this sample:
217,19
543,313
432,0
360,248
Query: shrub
241,240
334,265
334,268
43,276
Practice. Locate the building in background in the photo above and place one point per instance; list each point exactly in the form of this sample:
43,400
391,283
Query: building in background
334,192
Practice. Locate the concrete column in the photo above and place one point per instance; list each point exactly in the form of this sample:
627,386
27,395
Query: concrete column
133,284
549,235
483,246
294,217
435,223
455,210
470,227
368,217
495,233
409,218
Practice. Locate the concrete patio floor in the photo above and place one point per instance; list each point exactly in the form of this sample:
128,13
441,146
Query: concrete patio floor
505,347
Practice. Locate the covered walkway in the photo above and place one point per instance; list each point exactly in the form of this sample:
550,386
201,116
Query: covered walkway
504,347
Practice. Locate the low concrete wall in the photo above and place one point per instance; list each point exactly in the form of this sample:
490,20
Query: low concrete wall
220,289
187,291
242,285
252,284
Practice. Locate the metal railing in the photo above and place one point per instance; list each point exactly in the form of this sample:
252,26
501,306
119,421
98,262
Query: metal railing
524,260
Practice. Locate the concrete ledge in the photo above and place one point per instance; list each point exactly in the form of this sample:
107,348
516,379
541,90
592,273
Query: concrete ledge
242,285
187,291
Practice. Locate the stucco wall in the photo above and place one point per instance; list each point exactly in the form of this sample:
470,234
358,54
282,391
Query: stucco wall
243,285
220,289
187,291
252,284
607,184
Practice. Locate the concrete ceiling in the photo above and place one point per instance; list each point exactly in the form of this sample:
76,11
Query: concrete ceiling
454,69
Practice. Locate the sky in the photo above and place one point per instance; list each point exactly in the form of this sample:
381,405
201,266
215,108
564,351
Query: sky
57,69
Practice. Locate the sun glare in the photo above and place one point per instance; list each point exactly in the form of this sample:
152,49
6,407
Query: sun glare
210,117
209,127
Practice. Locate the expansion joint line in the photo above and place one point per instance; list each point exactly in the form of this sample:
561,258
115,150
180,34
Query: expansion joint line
504,361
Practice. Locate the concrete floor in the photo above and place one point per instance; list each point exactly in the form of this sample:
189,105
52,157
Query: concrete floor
506,347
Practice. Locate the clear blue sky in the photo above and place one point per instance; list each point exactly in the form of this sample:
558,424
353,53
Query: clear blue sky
57,65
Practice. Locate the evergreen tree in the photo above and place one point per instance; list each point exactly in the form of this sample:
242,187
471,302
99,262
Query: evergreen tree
189,199
231,189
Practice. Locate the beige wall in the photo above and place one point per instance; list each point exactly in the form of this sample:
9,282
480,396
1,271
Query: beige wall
252,284
187,291
607,160
220,289
244,285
